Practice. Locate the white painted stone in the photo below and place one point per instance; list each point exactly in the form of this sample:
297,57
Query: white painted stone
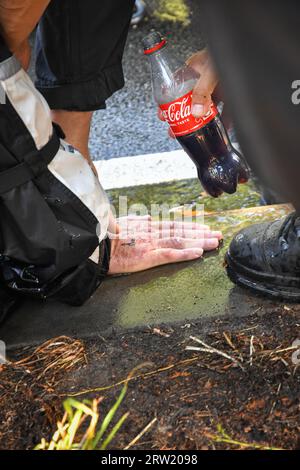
152,168
145,169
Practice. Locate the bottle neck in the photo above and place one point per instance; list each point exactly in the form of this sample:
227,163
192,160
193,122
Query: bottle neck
170,77
161,66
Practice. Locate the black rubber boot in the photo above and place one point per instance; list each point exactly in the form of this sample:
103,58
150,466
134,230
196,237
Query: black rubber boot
266,258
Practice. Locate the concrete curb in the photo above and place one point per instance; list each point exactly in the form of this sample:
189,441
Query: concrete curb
145,169
152,168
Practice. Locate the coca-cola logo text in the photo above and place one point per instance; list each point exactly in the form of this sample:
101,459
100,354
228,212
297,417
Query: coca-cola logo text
178,111
179,115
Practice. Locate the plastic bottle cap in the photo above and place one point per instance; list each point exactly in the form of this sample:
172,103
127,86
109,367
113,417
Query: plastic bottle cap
153,42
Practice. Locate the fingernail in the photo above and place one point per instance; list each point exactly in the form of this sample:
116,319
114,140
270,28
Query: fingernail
213,243
197,110
217,234
198,252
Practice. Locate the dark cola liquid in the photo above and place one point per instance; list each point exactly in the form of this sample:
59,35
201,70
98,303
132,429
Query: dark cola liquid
220,167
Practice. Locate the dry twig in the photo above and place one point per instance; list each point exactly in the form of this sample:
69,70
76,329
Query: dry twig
137,438
212,350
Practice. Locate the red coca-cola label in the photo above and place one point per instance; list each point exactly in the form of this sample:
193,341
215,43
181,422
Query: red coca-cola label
178,114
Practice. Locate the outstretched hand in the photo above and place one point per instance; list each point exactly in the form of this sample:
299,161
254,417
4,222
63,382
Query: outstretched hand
143,243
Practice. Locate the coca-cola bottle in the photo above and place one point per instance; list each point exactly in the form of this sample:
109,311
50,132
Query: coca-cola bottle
220,167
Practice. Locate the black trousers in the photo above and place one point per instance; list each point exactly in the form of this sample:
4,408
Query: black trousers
79,49
256,48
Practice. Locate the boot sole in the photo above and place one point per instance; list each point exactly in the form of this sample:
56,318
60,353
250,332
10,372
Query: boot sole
269,285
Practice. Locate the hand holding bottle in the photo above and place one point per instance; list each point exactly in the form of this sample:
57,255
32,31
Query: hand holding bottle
184,99
205,86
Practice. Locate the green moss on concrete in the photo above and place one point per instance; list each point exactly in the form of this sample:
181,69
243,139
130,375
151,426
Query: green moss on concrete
187,191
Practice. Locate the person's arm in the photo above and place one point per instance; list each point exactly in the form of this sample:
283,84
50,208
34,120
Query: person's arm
18,19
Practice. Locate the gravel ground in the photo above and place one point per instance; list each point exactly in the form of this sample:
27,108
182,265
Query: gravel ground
129,125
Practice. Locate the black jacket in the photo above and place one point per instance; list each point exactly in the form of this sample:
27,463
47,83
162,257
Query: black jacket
47,233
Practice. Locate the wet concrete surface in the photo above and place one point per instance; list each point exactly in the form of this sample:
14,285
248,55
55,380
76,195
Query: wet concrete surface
173,293
129,125
187,192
